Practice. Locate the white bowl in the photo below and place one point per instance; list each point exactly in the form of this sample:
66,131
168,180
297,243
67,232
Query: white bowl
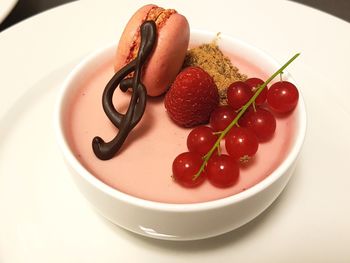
179,221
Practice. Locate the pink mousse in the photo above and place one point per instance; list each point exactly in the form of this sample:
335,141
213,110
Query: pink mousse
143,166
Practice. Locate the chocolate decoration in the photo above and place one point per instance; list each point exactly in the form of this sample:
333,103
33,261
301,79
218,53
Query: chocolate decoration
126,122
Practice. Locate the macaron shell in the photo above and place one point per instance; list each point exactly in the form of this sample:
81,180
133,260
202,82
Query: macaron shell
127,37
168,55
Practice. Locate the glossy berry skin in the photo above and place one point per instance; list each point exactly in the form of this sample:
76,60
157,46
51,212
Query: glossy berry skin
282,97
254,84
222,171
261,122
238,94
221,117
185,167
241,143
201,139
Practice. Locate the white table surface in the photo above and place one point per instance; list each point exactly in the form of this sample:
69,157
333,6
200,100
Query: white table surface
43,218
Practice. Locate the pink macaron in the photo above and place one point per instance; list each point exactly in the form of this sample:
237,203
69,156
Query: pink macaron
173,34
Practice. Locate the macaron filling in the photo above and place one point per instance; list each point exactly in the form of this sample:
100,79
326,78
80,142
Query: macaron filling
157,14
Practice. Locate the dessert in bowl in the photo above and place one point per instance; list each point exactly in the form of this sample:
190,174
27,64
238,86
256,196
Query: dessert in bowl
135,189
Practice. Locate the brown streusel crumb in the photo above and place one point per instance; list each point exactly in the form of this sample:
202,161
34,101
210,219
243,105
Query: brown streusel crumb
210,58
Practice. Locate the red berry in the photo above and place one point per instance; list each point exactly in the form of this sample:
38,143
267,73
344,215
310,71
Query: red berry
192,97
261,122
282,96
222,171
241,143
185,167
238,94
254,84
221,117
201,139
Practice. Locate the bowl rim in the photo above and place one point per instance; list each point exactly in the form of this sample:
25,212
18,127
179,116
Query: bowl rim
176,207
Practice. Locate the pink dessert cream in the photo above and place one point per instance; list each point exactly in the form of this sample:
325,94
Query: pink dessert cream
142,168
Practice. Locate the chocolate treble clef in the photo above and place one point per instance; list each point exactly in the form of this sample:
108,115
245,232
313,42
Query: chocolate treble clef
126,122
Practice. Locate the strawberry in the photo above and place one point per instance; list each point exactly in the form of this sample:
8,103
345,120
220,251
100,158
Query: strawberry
192,97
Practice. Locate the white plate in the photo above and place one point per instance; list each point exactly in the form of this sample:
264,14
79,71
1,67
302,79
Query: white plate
5,8
45,219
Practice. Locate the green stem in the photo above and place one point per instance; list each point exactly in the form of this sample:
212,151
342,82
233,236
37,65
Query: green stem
239,115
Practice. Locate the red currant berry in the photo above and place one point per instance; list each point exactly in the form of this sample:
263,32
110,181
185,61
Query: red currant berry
241,143
221,117
254,84
261,122
201,139
238,94
282,97
185,167
222,171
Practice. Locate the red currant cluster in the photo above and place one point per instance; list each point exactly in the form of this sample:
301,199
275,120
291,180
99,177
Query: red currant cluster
244,123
